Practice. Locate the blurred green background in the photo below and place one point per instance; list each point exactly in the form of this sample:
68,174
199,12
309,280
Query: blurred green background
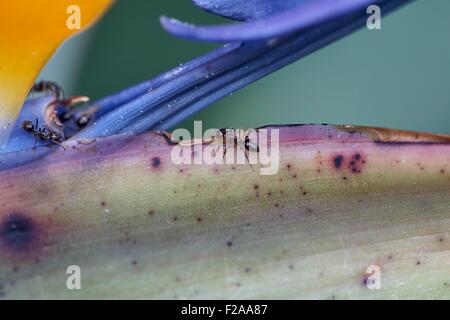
396,77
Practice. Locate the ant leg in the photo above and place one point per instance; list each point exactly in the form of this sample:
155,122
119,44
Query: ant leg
59,144
216,150
246,155
48,86
247,158
167,136
224,141
224,150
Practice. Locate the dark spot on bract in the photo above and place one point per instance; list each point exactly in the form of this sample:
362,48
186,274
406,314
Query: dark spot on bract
229,244
17,232
338,161
356,164
247,270
364,280
151,212
156,162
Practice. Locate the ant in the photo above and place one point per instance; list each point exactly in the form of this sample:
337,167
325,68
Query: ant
42,134
235,138
228,137
239,137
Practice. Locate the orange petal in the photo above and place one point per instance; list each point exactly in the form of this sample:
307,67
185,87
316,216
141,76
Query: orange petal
30,31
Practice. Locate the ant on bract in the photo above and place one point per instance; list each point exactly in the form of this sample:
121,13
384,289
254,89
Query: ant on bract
238,137
42,134
229,137
246,139
60,114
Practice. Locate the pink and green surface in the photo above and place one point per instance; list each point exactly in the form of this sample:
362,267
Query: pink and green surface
139,226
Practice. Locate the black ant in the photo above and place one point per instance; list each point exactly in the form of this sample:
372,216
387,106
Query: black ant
233,137
42,134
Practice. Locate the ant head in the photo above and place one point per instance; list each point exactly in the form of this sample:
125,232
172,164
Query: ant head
27,125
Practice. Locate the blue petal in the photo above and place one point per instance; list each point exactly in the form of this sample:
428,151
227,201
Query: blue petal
203,84
32,109
19,149
308,14
287,51
163,102
109,103
246,10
